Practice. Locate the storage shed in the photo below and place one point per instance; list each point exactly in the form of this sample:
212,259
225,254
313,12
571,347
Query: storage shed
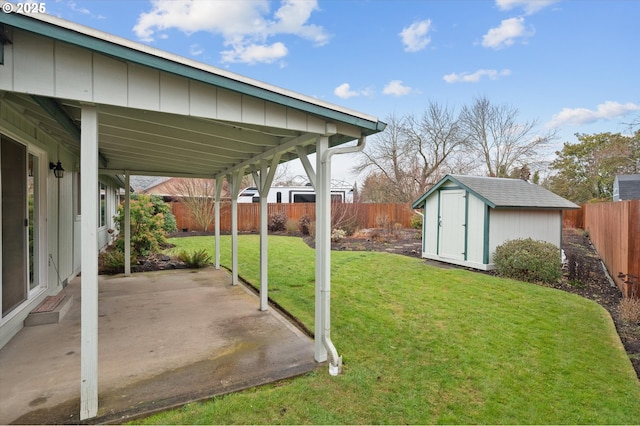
626,187
467,217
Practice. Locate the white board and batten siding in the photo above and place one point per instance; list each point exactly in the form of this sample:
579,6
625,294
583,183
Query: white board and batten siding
521,224
41,66
475,230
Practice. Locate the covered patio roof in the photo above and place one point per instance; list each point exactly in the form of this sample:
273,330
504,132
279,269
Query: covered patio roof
125,108
158,114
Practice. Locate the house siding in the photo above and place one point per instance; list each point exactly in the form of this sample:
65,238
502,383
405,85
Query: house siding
60,239
38,65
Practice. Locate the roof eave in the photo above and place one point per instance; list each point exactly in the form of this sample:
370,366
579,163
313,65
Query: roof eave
123,49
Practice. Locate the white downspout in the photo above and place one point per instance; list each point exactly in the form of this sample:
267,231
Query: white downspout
335,360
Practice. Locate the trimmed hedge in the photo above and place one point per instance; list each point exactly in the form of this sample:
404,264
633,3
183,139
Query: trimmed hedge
528,260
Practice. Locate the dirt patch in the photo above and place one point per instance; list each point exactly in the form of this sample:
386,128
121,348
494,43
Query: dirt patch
591,281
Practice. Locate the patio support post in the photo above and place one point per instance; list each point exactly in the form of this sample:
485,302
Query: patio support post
89,264
323,248
263,180
217,218
234,185
127,224
323,223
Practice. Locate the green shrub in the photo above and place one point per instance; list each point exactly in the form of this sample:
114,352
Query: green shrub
528,260
195,259
277,222
147,227
416,221
304,223
112,261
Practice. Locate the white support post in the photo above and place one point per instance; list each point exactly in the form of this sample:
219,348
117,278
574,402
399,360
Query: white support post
264,245
127,224
264,180
89,264
322,240
234,186
217,218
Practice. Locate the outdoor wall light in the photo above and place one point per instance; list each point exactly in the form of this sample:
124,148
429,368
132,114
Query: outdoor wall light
58,171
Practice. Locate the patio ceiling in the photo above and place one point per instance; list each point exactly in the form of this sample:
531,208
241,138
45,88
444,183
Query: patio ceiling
157,143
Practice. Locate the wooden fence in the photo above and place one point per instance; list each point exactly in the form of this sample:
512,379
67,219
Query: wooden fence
614,229
369,215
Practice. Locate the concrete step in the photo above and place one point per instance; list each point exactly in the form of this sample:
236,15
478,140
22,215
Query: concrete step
50,311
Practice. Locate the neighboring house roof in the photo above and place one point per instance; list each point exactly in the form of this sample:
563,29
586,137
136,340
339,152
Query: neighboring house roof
144,183
504,193
628,187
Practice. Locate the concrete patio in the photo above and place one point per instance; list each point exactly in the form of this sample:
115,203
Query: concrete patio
165,338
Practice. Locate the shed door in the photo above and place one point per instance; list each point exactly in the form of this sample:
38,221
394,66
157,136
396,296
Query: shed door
452,224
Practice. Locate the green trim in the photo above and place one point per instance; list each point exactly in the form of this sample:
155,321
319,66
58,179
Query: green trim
3,40
437,187
131,55
438,230
486,201
466,223
485,248
55,110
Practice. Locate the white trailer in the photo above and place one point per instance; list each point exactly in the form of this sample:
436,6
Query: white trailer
294,194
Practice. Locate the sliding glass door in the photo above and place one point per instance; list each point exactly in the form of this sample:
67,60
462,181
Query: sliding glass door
20,200
14,224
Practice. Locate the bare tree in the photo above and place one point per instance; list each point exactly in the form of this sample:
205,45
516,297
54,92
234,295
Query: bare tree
198,196
411,155
435,138
499,138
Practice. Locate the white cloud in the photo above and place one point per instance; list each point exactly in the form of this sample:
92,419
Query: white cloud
74,6
415,37
344,91
506,34
244,26
254,53
606,111
529,6
476,76
396,88
196,50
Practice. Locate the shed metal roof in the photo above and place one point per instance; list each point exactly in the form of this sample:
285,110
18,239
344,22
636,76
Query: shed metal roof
501,193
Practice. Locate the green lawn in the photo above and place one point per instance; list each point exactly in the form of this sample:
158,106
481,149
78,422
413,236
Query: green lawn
429,345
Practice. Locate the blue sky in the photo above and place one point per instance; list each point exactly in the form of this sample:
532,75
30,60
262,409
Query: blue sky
570,65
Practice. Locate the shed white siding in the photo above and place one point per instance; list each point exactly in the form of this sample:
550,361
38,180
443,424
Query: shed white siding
541,225
475,230
430,226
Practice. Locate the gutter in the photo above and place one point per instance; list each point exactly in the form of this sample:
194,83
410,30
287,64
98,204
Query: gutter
335,361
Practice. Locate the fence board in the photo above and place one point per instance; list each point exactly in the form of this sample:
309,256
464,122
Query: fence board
369,215
614,229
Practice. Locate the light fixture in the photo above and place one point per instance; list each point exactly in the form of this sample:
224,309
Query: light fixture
58,171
